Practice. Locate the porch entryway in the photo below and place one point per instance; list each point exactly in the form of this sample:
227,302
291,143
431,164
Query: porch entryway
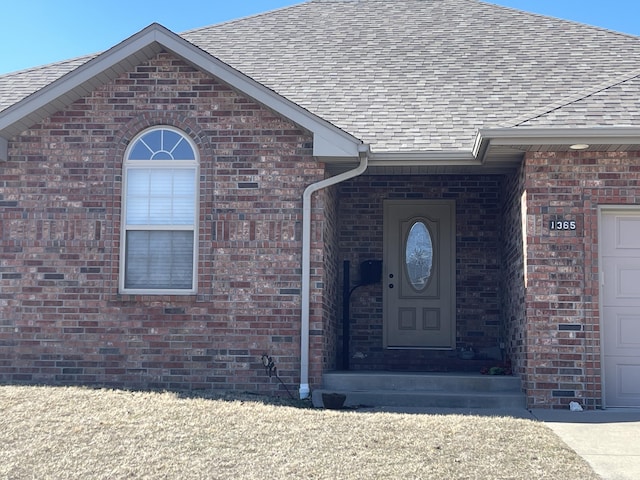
432,329
438,306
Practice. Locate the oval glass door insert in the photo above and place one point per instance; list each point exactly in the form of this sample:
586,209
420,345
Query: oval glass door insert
419,255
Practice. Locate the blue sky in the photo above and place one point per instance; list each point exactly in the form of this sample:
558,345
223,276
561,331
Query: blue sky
36,32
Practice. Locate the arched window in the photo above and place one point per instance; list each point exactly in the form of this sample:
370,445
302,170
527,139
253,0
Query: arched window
159,220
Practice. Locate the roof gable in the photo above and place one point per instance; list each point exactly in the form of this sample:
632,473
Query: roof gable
329,141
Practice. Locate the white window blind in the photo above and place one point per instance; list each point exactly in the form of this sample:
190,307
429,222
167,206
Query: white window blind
160,197
159,259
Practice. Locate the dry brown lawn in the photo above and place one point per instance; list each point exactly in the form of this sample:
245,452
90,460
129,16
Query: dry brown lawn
77,433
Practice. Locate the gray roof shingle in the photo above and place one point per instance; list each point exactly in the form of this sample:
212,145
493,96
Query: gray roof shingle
18,85
414,75
617,105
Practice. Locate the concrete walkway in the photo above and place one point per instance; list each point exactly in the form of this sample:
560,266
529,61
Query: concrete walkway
608,439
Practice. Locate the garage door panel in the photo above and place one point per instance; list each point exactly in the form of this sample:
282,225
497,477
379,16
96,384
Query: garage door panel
623,382
622,333
621,281
621,232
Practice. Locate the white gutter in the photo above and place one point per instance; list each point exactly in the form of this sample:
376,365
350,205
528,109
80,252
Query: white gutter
306,261
560,136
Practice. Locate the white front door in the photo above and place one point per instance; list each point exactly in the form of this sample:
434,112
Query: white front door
620,294
419,274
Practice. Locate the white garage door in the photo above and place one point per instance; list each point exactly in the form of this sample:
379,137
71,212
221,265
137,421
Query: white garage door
620,277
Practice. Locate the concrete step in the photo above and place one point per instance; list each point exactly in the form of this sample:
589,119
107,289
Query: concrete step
412,381
441,390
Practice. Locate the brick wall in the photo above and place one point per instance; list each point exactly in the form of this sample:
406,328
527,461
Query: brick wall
63,321
513,270
323,313
330,285
478,265
563,325
61,317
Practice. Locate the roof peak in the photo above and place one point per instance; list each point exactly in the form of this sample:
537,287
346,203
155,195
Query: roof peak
328,140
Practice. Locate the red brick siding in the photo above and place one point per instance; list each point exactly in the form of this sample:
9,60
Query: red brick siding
61,317
330,286
513,288
323,313
563,325
478,264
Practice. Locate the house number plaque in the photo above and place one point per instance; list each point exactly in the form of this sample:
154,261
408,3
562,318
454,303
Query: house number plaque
569,224
562,224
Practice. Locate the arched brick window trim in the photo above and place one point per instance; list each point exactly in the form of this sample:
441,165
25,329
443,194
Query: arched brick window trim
122,139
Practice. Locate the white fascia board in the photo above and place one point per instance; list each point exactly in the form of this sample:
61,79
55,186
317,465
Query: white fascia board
427,158
329,140
4,149
559,136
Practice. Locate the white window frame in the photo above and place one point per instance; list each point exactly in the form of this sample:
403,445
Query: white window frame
127,166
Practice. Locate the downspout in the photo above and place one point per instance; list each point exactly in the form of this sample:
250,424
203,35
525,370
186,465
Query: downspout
363,151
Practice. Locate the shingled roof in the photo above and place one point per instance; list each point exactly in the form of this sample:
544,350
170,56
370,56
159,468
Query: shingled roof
420,75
